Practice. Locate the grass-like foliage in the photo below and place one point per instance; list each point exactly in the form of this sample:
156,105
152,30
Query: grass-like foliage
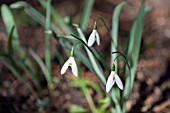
72,35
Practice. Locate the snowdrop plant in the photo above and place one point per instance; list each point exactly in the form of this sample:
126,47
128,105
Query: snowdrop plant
94,36
113,77
92,61
131,52
130,55
96,64
72,63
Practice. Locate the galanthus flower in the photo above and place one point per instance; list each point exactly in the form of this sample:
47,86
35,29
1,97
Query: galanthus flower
94,36
70,62
113,77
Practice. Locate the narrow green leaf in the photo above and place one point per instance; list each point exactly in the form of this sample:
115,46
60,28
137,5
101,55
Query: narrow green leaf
44,69
82,82
27,66
114,32
30,11
12,69
9,23
114,47
135,40
134,50
104,104
89,99
10,40
57,18
77,109
48,35
88,5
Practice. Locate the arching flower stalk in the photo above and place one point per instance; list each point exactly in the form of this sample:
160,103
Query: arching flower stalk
70,62
94,36
113,77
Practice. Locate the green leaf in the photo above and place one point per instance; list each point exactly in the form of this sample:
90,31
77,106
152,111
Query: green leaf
12,69
77,109
88,5
10,40
9,22
135,41
44,69
82,82
57,18
48,35
134,50
114,32
104,104
14,43
30,11
114,47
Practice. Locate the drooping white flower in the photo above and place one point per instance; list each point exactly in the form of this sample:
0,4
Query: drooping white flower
70,62
94,36
113,77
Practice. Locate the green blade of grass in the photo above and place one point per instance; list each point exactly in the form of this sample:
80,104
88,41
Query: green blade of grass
18,62
135,40
47,36
57,18
88,5
10,45
12,69
44,69
77,109
89,99
38,17
9,23
30,11
14,39
114,46
82,82
114,32
134,49
27,66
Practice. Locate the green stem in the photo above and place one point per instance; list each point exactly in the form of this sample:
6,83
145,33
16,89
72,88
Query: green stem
47,36
89,99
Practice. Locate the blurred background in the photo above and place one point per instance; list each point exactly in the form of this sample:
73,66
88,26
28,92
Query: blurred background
151,91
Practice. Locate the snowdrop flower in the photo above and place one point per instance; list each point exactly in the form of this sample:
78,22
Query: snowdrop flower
113,77
70,62
94,36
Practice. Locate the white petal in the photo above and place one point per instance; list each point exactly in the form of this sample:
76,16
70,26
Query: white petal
110,82
118,82
91,39
65,66
97,38
74,67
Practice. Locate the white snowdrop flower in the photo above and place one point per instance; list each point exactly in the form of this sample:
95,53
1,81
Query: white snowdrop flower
94,36
113,77
70,62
